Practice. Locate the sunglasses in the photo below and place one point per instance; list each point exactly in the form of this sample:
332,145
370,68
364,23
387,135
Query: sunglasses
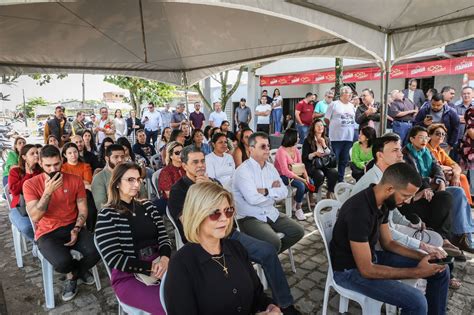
177,152
228,212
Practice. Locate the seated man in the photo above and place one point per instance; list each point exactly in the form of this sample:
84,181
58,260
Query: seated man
260,252
256,187
143,148
361,223
56,202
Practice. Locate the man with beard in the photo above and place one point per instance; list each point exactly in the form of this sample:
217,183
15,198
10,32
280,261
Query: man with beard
362,222
439,112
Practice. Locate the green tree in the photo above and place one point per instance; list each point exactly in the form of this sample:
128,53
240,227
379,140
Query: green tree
31,105
338,84
43,79
142,90
226,93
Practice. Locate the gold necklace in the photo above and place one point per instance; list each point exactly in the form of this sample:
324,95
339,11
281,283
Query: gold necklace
224,267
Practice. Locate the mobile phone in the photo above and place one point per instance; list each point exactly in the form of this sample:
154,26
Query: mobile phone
429,117
52,174
443,261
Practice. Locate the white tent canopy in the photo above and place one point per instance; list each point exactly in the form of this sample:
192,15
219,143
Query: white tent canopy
184,41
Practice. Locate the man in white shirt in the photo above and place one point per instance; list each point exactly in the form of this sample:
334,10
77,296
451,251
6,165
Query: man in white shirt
217,116
256,187
263,112
152,121
166,115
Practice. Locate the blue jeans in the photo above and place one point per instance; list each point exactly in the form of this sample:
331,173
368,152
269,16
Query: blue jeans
153,135
277,114
264,254
408,298
5,180
402,128
461,213
341,150
299,185
302,132
22,223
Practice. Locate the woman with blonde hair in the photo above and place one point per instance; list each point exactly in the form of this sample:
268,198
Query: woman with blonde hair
173,170
212,274
132,239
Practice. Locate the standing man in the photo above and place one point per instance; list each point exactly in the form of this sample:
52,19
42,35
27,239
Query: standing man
304,116
90,124
416,96
56,127
322,106
269,99
178,116
467,101
361,223
402,111
263,112
152,120
105,126
217,116
448,95
166,117
197,118
243,114
368,113
340,117
78,126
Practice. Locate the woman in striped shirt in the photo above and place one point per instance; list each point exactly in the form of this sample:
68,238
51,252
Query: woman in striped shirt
133,241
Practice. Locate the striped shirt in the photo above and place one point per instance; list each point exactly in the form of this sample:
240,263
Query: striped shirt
116,242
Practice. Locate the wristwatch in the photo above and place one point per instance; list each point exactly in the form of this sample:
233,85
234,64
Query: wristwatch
266,192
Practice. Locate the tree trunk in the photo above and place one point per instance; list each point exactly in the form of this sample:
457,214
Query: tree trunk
338,84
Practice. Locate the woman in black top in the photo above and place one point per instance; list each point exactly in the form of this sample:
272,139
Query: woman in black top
212,275
133,124
133,241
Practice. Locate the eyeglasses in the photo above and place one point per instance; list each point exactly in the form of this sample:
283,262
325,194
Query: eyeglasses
133,180
177,152
423,138
263,146
228,212
440,134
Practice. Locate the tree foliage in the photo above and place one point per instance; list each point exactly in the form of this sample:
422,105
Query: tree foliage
339,75
31,104
226,93
142,90
42,79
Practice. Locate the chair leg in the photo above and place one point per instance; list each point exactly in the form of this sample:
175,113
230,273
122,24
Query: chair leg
261,275
120,309
344,304
17,246
326,299
24,244
371,307
95,273
292,260
288,204
391,309
48,282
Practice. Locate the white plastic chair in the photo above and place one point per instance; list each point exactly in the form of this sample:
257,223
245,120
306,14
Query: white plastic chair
122,307
154,181
154,161
325,223
162,293
19,240
48,273
177,236
343,191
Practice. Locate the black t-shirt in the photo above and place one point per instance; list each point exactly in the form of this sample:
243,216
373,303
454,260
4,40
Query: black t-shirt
143,228
358,220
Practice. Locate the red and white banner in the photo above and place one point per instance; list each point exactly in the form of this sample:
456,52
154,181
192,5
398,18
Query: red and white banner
412,70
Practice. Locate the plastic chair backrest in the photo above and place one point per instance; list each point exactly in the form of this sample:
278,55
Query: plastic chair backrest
154,160
343,191
325,221
8,197
154,181
102,257
272,155
162,293
179,240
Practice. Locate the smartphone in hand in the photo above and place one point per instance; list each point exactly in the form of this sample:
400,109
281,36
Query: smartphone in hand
443,261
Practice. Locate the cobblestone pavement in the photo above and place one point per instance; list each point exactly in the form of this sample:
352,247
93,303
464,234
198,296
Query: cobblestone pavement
23,290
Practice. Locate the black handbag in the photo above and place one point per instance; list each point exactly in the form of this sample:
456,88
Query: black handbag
21,207
327,161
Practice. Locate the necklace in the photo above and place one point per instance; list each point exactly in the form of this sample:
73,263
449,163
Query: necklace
224,267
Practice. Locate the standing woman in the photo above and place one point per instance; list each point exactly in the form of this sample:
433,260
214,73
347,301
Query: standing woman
242,152
132,239
317,153
212,274
133,124
362,152
27,168
89,143
277,111
120,124
12,158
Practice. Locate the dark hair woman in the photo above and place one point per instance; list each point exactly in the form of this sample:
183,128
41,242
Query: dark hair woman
242,152
362,152
105,144
132,239
197,138
89,142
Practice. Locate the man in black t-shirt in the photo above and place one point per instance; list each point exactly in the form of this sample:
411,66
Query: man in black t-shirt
361,223
142,147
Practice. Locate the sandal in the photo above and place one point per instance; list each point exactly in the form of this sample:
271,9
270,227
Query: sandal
455,284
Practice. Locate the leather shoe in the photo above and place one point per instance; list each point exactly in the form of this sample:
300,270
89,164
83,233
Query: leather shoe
463,243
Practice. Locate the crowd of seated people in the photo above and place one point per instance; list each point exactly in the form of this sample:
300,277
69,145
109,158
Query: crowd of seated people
212,180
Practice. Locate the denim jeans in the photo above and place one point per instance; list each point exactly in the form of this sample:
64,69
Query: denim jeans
153,135
5,180
302,132
277,114
461,213
402,128
299,185
408,298
23,224
341,150
264,254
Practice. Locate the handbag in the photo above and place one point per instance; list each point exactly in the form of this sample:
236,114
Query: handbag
326,161
298,169
21,207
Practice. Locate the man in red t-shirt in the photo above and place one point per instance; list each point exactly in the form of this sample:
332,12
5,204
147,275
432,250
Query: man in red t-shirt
56,203
304,115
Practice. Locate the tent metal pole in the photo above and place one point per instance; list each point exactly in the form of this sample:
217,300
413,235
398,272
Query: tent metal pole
388,68
185,83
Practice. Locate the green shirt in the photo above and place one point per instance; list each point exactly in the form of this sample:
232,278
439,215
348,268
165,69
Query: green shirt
12,159
359,157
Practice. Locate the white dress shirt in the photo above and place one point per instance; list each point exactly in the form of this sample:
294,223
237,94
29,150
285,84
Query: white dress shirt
154,120
249,202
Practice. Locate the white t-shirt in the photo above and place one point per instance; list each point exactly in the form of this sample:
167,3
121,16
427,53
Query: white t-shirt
278,99
218,118
341,121
262,109
220,168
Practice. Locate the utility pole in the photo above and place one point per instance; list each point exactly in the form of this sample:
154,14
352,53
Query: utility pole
24,109
338,83
83,90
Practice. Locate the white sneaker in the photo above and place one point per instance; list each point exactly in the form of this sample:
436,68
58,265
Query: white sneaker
299,214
